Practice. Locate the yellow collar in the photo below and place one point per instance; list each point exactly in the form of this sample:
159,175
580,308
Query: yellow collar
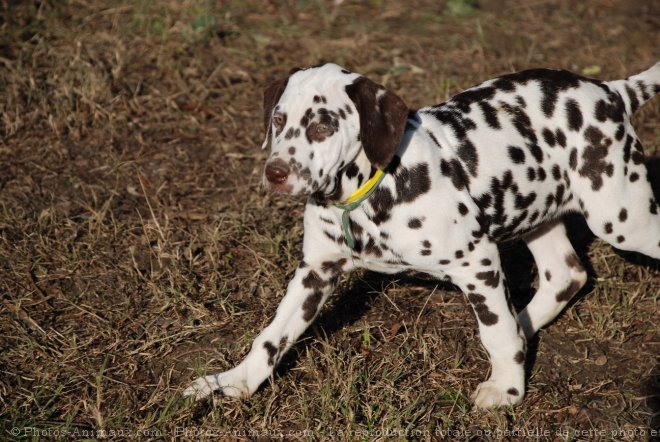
364,189
353,201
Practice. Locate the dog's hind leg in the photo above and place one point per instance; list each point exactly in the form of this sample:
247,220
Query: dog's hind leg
560,276
621,209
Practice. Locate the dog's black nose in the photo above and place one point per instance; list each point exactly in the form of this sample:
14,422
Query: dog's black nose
277,171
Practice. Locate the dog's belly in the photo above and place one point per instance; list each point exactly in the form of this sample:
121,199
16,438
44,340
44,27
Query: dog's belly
512,207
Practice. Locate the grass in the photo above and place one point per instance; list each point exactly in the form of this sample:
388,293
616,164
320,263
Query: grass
137,250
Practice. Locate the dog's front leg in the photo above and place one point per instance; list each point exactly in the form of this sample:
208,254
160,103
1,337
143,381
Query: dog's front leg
305,295
501,335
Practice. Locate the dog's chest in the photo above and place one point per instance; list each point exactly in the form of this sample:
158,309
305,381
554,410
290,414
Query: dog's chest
416,235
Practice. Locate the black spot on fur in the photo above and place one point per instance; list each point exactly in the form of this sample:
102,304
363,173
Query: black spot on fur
468,153
627,149
371,248
567,293
550,81
632,97
519,358
533,217
462,209
352,170
307,117
560,137
491,278
549,137
459,124
517,155
594,155
435,140
556,172
620,132
637,155
411,183
272,352
486,317
476,298
574,115
536,151
531,173
573,262
523,202
523,125
540,174
454,170
559,194
612,109
623,215
415,223
572,159
334,268
381,202
311,305
313,281
490,114
513,391
471,96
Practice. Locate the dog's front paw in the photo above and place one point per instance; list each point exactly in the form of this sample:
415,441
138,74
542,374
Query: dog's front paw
492,393
229,383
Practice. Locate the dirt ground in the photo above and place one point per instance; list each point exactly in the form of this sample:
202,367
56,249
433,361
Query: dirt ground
138,249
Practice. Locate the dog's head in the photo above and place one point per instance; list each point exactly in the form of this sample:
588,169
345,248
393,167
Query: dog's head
319,119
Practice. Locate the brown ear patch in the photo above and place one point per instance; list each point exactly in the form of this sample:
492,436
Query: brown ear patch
272,95
383,118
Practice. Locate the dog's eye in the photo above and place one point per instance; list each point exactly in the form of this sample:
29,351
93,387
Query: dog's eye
322,129
278,120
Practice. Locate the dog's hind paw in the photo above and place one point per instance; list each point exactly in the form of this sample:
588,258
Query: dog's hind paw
226,383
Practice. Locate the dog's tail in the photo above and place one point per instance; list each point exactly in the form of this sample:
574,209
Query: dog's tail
638,89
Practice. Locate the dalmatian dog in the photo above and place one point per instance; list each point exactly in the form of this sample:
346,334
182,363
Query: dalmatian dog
435,190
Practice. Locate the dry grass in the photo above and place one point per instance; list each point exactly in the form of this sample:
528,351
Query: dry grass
137,249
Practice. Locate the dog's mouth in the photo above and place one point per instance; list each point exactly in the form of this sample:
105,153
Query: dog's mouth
285,187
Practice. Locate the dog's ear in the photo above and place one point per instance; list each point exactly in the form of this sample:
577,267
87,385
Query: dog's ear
272,95
383,118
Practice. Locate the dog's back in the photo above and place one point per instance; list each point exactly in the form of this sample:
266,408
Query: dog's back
532,145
